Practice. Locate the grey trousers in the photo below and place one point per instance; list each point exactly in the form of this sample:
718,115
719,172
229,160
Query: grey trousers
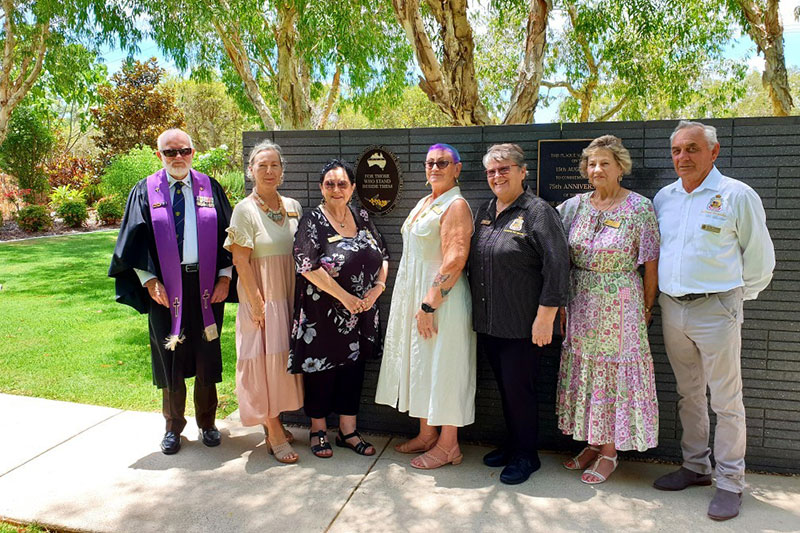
704,341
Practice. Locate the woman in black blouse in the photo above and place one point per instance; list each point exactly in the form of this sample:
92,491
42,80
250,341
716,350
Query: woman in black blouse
518,273
342,264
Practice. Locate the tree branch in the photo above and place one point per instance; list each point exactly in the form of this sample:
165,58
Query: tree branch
333,94
564,85
612,111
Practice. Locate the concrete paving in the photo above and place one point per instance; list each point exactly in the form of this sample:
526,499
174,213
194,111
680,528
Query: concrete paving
89,468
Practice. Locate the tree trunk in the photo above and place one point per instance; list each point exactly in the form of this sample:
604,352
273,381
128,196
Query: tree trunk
293,78
525,97
12,91
766,30
333,94
450,84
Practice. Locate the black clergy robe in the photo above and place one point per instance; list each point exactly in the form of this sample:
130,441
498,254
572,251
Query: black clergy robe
136,248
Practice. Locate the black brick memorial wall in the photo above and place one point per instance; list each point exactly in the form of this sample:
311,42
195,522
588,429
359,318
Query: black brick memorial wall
762,152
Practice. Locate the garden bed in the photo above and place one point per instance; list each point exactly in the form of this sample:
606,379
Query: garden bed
10,231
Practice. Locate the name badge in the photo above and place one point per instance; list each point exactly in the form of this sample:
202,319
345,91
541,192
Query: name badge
204,201
712,229
436,209
514,232
292,214
516,225
335,238
612,223
486,222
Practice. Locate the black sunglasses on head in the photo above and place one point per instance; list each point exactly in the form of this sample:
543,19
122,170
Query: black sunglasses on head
173,152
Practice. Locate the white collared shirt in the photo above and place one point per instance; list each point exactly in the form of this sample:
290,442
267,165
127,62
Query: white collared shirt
189,230
713,239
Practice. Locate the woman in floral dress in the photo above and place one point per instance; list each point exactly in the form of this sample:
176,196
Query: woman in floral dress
342,264
606,386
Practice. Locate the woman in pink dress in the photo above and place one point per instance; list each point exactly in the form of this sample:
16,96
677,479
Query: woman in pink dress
260,237
606,385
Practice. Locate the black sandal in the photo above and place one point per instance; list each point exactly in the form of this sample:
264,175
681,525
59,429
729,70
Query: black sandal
360,448
323,445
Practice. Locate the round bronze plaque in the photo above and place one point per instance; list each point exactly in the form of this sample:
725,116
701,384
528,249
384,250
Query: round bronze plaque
378,180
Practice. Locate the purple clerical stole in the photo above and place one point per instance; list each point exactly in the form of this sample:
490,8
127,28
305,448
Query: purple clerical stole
160,202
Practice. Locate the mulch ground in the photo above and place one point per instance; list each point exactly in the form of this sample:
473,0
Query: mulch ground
10,231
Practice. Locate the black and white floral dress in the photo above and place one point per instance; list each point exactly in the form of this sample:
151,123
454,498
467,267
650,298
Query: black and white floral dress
325,334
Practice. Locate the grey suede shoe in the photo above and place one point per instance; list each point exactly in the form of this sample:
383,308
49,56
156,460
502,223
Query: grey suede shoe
725,505
680,479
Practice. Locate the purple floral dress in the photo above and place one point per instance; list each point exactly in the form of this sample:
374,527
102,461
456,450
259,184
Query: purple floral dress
606,385
324,333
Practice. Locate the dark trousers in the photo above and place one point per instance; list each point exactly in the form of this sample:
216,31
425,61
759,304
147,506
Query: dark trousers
337,390
515,363
174,405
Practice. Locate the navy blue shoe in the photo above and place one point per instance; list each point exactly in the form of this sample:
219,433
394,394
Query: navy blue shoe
519,469
495,458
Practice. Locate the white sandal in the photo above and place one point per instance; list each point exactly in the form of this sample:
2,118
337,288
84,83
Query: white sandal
577,459
593,470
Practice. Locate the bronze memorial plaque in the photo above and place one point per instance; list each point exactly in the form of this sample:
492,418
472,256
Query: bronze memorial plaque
558,176
378,180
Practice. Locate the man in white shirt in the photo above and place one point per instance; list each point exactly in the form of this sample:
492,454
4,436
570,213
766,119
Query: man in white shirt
715,253
169,263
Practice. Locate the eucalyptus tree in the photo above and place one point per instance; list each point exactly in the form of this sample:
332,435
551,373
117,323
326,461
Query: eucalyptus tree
612,55
761,20
32,30
441,35
288,54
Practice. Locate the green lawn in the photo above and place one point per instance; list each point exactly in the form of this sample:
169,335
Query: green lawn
62,335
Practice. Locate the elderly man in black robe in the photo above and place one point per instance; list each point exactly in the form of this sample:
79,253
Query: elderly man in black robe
169,262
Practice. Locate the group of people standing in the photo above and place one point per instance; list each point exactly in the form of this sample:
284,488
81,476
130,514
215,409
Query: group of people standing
492,283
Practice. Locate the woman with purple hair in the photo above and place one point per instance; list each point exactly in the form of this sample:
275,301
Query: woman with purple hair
428,367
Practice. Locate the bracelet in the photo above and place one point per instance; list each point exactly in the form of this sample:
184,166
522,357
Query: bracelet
648,309
381,284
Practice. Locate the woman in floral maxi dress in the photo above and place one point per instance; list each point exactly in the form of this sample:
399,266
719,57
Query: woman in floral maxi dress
606,388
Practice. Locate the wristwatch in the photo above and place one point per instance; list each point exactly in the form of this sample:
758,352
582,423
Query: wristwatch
427,308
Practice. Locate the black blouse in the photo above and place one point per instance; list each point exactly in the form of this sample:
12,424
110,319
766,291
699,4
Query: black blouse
517,262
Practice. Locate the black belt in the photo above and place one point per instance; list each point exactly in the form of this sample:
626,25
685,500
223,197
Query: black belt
193,267
693,297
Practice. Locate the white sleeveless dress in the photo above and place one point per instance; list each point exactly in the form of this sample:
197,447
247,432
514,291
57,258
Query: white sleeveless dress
429,378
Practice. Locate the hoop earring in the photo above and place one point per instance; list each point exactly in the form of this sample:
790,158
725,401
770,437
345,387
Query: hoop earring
427,183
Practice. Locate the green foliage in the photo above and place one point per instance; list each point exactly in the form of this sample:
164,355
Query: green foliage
73,212
63,194
127,169
213,162
136,110
412,110
109,210
34,218
26,148
233,183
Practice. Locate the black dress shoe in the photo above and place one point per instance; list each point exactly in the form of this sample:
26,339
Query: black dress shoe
171,443
519,469
210,436
495,458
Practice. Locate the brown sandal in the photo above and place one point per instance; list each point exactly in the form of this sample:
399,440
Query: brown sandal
408,447
429,461
286,433
282,452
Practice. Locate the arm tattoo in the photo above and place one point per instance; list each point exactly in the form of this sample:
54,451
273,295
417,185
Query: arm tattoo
440,279
445,292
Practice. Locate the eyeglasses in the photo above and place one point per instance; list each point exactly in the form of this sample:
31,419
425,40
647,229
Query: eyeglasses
173,152
442,164
331,185
502,171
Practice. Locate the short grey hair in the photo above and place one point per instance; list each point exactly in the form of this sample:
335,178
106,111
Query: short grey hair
265,146
170,131
505,152
710,132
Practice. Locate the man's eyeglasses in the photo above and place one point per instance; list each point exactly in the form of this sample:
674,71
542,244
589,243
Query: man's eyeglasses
331,185
442,164
502,171
173,152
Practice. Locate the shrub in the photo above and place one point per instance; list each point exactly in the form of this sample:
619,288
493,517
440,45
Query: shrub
109,210
233,183
26,148
213,162
73,212
34,218
63,194
125,170
68,169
